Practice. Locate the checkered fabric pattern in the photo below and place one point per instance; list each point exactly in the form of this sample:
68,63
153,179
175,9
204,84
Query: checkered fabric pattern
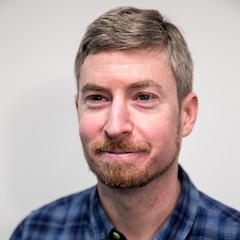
80,216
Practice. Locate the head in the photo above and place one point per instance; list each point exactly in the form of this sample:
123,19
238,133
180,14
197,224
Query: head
134,78
128,28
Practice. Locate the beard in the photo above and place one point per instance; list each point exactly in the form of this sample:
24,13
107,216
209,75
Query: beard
126,174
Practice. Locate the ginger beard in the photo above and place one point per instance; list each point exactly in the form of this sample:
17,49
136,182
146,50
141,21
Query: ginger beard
126,174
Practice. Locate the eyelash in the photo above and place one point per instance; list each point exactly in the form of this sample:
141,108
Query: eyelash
95,101
144,99
149,96
94,98
99,97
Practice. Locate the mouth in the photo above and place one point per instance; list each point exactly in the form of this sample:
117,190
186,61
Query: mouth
122,155
120,151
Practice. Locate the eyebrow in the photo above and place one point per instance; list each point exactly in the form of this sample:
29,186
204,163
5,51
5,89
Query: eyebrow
145,83
136,85
92,87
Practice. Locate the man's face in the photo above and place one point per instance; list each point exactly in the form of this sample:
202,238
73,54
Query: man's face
129,119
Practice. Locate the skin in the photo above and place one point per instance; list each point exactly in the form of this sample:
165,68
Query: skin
131,97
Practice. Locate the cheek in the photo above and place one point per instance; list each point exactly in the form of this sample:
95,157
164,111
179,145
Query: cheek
160,132
89,128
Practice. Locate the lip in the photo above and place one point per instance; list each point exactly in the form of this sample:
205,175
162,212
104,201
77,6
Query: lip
115,155
122,152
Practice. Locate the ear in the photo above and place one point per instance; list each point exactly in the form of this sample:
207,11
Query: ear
76,105
76,101
189,113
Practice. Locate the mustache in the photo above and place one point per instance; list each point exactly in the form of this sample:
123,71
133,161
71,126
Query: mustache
120,145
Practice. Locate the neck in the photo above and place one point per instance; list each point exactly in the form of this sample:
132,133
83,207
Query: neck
140,213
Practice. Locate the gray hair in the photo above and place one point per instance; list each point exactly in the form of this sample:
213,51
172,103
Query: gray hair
126,28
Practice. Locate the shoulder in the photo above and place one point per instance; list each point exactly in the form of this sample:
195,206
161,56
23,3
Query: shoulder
219,209
210,218
64,211
217,218
72,204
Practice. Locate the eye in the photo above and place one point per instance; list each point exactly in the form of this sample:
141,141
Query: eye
146,100
144,97
95,101
95,98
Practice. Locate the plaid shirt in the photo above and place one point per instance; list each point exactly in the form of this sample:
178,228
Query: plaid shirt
80,216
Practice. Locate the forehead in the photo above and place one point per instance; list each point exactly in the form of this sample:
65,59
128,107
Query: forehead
125,57
129,65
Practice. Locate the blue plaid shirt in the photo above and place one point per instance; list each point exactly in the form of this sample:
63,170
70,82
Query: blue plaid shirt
80,216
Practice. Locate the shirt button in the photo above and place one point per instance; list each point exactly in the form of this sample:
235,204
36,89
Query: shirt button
116,235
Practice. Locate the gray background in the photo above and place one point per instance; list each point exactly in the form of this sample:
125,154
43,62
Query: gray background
40,152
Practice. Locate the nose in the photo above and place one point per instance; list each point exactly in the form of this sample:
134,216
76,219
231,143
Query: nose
118,124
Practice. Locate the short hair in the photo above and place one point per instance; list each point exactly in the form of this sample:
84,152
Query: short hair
127,28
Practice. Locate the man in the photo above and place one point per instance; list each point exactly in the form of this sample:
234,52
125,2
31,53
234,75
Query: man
134,105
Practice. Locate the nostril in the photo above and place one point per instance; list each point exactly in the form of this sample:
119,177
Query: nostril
115,135
117,130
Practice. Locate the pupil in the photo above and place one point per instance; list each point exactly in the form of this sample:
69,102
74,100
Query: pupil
144,97
96,98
